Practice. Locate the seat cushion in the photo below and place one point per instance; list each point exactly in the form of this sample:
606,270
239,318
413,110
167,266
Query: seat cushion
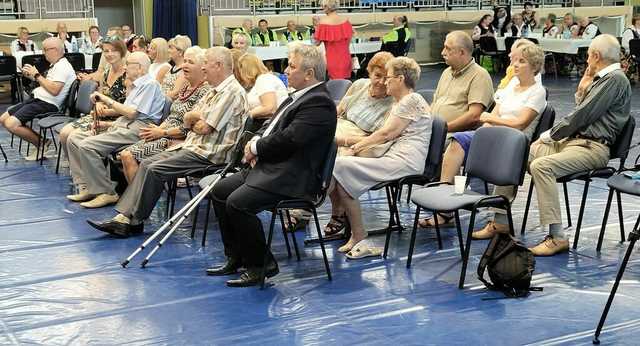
53,121
625,184
443,198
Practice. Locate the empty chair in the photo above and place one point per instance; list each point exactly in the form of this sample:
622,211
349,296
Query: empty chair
338,88
76,60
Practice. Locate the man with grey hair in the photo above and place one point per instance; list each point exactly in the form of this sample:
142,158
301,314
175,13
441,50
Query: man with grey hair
47,98
581,140
215,125
286,161
143,106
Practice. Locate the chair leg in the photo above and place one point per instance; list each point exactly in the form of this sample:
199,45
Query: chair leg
394,202
585,192
526,208
486,188
459,230
605,217
633,237
412,243
293,236
435,221
566,203
324,252
58,158
267,249
510,219
206,222
620,217
409,193
195,221
40,144
4,154
284,233
467,248
12,136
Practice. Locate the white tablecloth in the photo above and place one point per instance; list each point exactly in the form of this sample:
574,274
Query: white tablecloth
88,59
280,52
554,45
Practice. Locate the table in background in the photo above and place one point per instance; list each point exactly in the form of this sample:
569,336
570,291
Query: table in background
280,52
553,44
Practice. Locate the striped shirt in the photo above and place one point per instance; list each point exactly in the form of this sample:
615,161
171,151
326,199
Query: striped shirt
225,109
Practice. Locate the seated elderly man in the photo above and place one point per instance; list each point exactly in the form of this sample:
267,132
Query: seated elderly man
216,124
581,140
48,97
465,89
286,160
142,107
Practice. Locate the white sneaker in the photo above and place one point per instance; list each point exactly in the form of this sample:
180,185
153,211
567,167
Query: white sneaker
32,155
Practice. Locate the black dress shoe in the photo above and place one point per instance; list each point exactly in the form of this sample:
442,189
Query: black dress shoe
117,229
230,267
251,277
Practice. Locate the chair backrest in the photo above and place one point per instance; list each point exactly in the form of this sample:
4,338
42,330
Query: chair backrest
407,47
166,109
547,118
327,171
337,88
508,43
498,155
427,95
69,104
8,65
634,47
620,149
76,60
95,62
36,60
83,100
488,44
436,147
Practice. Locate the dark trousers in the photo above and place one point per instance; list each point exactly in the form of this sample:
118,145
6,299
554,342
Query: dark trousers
237,206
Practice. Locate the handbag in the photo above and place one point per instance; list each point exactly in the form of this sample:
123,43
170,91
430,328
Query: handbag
348,128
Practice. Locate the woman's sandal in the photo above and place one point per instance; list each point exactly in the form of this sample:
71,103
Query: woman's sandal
336,225
430,222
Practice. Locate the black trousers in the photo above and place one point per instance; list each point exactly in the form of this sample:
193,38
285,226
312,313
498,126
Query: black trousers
237,206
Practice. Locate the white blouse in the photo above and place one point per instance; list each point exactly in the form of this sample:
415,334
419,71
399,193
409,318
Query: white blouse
265,83
511,103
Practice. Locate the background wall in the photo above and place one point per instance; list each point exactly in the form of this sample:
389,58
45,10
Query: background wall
115,13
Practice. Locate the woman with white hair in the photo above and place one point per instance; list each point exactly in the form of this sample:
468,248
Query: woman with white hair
407,128
335,32
172,78
156,139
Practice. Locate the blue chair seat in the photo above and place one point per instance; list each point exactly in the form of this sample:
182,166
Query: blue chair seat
624,184
51,121
444,198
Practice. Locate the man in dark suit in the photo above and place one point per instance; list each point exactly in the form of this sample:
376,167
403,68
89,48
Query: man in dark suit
286,159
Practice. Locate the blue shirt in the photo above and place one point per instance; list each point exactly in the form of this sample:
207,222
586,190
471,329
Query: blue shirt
147,98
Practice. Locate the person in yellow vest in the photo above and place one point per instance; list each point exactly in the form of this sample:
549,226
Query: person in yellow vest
246,28
396,41
292,34
264,36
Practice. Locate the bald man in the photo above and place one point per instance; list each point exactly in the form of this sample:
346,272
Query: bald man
47,98
247,29
142,107
292,33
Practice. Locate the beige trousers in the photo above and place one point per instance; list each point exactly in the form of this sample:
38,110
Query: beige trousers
547,162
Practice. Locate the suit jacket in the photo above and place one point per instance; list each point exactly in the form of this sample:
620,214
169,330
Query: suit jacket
291,157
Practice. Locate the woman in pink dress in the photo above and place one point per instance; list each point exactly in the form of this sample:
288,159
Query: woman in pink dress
335,32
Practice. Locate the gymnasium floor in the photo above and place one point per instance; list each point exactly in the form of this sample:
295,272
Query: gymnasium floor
60,282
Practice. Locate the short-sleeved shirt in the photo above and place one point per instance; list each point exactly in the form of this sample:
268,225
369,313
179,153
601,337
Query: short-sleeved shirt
590,31
18,46
511,103
225,109
62,72
367,112
266,82
457,90
147,98
156,67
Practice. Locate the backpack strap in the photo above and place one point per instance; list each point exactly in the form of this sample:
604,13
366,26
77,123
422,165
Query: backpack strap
484,261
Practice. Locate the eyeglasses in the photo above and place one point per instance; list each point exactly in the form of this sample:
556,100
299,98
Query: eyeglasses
386,78
127,63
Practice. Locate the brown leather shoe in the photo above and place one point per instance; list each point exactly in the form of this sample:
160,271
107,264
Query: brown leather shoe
550,246
489,230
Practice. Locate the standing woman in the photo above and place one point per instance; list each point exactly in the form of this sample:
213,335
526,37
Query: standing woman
159,54
335,32
172,77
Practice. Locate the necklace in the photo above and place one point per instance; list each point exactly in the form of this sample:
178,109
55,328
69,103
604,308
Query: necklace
185,93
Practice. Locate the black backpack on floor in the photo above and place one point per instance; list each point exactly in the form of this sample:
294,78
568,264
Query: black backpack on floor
510,265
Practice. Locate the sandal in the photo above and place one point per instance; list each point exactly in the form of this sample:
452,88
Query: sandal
336,225
295,223
430,222
363,250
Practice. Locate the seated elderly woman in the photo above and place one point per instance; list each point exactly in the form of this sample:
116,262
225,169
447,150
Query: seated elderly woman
155,139
265,91
406,128
111,83
171,76
519,106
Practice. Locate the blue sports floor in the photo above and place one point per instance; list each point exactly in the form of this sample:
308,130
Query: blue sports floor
61,283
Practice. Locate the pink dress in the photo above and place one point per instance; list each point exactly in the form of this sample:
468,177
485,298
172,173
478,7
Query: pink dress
336,39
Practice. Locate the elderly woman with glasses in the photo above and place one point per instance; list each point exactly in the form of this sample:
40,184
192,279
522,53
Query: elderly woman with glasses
406,129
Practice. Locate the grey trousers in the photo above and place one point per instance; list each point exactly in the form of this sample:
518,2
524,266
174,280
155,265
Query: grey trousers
87,152
141,196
